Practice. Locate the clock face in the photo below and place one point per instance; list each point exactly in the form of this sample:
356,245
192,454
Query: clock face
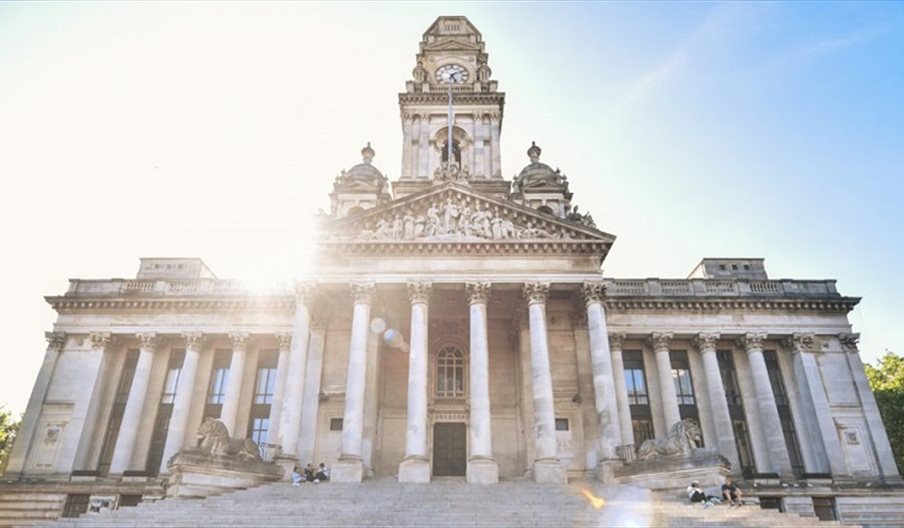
452,74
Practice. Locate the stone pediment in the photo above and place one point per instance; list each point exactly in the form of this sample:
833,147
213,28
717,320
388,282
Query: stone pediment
452,44
453,212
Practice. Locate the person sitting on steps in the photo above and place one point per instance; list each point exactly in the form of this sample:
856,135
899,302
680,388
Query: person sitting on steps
322,474
309,472
731,492
297,475
695,494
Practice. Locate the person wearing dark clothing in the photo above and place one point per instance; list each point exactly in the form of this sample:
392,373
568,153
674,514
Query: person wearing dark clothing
731,493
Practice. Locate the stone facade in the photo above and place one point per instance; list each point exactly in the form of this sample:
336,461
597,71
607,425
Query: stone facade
459,325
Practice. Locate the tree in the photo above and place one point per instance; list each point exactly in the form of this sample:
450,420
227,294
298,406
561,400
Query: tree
9,425
887,381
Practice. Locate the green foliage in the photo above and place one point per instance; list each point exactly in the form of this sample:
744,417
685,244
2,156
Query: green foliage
887,381
9,425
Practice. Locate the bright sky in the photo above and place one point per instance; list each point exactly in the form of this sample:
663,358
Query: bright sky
137,129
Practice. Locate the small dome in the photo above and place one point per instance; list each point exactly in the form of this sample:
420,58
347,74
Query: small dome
536,171
365,171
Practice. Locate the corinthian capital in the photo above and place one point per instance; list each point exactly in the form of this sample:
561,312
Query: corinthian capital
536,292
798,343
148,340
362,291
593,292
285,341
194,340
850,342
55,340
478,292
752,341
660,341
706,341
617,341
240,340
101,340
305,291
420,291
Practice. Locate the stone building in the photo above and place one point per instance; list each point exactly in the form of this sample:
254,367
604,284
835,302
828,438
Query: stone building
458,326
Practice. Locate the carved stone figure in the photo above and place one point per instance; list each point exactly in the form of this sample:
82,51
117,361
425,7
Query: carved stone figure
215,441
684,437
432,227
451,213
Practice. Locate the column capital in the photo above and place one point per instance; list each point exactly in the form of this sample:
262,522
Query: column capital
55,340
285,341
305,291
148,340
419,291
101,340
706,341
536,292
752,341
798,343
240,340
660,341
617,341
850,342
593,292
478,292
362,291
194,340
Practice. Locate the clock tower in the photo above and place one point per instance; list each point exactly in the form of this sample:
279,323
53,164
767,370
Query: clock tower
452,58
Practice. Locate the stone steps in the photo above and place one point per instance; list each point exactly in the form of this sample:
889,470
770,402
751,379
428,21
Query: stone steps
29,508
441,505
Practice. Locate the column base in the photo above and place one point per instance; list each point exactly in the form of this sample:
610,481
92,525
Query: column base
287,463
347,469
605,470
549,470
483,471
414,469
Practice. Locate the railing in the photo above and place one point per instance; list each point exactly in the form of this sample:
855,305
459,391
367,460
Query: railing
158,287
720,288
626,452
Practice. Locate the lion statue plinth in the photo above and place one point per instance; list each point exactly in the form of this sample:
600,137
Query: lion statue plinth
215,441
684,437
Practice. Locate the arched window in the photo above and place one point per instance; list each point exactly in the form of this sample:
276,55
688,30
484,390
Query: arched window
456,152
450,372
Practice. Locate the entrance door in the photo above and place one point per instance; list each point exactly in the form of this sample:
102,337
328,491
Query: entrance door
449,450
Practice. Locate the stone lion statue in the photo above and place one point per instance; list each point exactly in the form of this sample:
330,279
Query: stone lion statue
215,440
684,437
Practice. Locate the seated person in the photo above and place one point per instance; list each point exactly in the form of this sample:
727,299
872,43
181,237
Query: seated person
322,474
309,472
695,494
297,475
731,492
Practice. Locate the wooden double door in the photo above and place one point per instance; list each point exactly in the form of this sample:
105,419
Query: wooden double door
450,450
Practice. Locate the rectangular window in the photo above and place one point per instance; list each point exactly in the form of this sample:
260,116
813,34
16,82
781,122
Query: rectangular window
638,396
643,431
784,411
742,443
736,411
219,378
562,424
260,428
729,377
264,387
335,424
76,504
164,412
824,508
119,408
681,375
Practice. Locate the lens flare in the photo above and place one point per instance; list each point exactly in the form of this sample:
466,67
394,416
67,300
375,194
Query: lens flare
596,502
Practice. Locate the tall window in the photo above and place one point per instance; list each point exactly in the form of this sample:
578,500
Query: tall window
164,412
264,386
219,378
684,385
456,152
450,373
784,411
638,397
119,408
736,411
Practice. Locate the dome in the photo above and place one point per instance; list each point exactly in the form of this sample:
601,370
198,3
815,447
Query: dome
537,171
365,172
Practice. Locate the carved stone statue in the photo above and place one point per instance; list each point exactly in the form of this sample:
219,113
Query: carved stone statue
215,441
684,437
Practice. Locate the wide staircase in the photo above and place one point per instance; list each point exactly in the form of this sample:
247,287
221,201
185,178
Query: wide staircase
440,504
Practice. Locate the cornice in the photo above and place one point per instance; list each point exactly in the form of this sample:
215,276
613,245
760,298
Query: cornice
481,247
62,304
839,304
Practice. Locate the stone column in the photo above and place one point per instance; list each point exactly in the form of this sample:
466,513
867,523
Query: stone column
547,467
482,466
135,405
815,404
175,436
660,342
603,379
718,404
290,420
310,406
883,452
98,376
416,465
350,467
279,388
230,412
769,419
616,342
56,341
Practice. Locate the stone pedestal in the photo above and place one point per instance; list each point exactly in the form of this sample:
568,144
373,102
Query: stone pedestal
194,473
675,473
347,469
287,463
605,470
482,471
550,470
414,469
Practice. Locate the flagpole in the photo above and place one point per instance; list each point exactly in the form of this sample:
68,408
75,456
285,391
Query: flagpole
449,140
